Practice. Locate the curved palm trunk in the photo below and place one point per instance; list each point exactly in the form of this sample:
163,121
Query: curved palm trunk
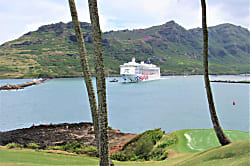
85,69
101,85
218,130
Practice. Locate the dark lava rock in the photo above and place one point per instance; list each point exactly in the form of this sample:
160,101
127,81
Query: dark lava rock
60,134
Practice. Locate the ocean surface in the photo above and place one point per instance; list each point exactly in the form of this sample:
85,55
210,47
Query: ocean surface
172,103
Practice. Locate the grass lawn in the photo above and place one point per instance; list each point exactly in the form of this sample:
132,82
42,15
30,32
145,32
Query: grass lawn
189,143
204,139
235,154
28,157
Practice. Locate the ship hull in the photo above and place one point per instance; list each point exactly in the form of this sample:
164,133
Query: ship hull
139,77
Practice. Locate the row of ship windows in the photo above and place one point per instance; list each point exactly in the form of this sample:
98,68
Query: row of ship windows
149,72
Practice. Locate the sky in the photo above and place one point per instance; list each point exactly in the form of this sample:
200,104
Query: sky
18,17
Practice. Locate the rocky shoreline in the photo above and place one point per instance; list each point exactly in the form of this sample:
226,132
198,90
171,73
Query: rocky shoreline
23,85
59,134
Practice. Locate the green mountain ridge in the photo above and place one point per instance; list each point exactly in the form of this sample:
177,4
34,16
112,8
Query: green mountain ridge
51,51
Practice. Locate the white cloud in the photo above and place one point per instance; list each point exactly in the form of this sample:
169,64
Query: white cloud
20,16
35,26
146,13
213,16
220,13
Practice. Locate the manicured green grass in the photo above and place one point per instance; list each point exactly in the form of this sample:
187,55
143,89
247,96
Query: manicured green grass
236,153
24,157
38,158
203,139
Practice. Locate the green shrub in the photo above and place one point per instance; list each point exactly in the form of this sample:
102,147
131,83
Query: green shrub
72,147
156,135
91,151
170,142
119,156
77,150
132,157
14,145
143,148
156,153
54,148
33,146
142,145
162,145
123,157
76,147
164,156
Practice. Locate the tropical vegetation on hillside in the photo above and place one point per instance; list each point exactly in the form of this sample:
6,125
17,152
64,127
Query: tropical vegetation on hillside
51,51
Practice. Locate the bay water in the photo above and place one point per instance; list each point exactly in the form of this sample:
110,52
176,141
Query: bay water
172,103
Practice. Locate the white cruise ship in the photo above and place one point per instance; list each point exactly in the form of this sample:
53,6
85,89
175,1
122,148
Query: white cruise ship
134,72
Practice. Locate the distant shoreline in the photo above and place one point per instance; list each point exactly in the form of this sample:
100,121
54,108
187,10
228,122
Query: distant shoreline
36,82
118,75
228,81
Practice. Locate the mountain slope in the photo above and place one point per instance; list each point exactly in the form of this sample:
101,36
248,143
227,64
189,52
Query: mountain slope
51,51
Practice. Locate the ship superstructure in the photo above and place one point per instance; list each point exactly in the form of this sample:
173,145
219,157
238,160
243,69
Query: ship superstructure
134,72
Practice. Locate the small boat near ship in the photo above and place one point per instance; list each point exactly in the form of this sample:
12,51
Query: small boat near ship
114,80
136,72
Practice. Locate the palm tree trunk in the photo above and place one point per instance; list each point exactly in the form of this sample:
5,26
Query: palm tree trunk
101,85
85,69
218,130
